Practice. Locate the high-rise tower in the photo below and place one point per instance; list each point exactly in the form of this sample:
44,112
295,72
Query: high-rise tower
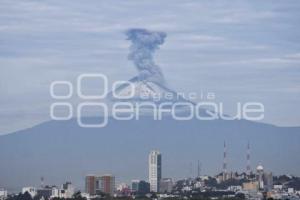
91,184
154,170
107,184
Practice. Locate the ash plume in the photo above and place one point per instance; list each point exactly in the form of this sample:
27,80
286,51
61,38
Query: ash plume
144,44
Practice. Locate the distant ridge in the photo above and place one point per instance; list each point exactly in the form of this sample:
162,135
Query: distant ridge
61,150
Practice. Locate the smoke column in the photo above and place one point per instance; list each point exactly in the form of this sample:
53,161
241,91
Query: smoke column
144,44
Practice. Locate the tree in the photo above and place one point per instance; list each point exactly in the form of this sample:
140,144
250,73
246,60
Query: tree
77,196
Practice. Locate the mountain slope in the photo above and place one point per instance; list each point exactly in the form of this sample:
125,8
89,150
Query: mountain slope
62,151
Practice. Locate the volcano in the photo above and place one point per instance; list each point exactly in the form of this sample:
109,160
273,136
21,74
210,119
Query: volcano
63,151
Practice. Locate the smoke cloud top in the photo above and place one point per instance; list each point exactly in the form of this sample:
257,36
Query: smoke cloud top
144,44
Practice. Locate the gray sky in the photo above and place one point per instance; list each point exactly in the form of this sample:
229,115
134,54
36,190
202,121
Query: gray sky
240,50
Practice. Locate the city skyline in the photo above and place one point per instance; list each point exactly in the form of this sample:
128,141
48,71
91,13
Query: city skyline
257,183
93,181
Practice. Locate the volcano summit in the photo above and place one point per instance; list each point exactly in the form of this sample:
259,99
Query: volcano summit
149,84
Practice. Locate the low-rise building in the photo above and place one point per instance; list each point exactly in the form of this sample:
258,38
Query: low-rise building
278,187
251,186
290,190
45,192
31,190
67,190
140,187
165,185
3,194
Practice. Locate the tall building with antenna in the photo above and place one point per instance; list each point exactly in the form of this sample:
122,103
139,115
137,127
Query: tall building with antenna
225,162
191,170
198,169
248,168
42,182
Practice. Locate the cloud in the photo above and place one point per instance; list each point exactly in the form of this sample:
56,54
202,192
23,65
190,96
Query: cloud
199,38
295,56
47,40
280,61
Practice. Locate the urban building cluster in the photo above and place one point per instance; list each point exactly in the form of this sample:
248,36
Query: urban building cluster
257,184
44,192
97,185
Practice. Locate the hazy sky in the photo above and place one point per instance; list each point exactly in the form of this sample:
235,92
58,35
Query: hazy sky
240,50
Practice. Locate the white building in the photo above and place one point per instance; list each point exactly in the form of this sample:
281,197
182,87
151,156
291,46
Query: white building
55,192
86,195
122,186
3,193
31,190
234,188
68,189
290,190
278,187
154,170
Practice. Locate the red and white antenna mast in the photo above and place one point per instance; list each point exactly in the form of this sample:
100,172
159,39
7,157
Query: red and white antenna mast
225,162
248,168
